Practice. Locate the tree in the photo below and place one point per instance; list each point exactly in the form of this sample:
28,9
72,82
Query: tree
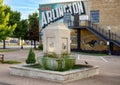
24,30
22,25
15,18
34,27
5,29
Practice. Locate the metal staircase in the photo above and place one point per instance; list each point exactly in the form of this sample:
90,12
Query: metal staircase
102,33
106,35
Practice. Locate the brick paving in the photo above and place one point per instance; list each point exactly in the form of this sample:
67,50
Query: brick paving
109,70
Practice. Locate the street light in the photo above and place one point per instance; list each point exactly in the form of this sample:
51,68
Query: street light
108,42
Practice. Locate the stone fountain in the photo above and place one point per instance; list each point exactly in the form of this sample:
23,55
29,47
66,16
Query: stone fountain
56,39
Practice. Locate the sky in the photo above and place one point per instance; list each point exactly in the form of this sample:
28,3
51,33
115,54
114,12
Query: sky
26,7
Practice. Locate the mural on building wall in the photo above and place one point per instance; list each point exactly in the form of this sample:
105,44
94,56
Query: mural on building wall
91,42
54,12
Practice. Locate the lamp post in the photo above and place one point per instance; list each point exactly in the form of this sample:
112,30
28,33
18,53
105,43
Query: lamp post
108,42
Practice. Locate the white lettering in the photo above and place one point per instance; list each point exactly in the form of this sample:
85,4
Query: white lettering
65,8
75,8
80,7
57,13
49,16
61,11
70,8
44,21
53,14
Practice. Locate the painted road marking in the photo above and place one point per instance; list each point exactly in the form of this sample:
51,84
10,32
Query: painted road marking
103,59
92,59
78,57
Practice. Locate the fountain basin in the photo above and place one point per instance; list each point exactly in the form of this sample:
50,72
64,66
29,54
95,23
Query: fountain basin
56,64
62,77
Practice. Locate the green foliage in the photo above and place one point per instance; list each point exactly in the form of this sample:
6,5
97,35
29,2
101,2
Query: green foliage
33,26
38,66
80,66
22,29
40,47
94,54
31,57
33,33
65,54
5,29
21,25
6,50
11,62
50,55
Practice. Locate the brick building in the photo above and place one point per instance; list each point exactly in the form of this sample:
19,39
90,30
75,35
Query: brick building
94,24
109,13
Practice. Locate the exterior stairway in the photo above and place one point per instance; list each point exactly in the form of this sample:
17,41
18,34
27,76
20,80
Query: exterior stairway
106,35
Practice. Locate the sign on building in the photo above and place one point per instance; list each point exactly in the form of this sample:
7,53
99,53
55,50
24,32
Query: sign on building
54,12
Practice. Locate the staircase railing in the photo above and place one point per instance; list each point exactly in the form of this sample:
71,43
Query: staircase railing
108,34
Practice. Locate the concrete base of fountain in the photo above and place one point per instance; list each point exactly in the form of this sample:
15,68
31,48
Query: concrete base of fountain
63,77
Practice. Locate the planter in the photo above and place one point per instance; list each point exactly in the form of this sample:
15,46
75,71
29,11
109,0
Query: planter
57,64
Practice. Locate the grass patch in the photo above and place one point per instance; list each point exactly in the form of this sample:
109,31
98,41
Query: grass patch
79,66
6,50
35,66
11,62
95,54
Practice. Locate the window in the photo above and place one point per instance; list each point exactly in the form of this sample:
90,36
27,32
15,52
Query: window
67,17
95,18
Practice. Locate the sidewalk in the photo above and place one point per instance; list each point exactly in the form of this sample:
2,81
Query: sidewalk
109,70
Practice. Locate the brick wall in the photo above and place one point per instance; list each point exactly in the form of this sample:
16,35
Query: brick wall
109,13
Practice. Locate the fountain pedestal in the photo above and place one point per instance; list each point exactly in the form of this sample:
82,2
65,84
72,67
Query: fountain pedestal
56,38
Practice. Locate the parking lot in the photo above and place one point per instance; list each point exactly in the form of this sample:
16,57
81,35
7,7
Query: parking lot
109,67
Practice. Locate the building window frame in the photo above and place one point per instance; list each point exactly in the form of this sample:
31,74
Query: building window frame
95,16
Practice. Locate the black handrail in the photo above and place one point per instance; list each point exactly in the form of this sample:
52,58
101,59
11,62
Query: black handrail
108,34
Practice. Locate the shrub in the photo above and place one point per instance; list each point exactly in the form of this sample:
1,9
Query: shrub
31,57
40,47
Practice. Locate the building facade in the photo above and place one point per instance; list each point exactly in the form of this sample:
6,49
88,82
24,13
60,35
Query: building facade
94,24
